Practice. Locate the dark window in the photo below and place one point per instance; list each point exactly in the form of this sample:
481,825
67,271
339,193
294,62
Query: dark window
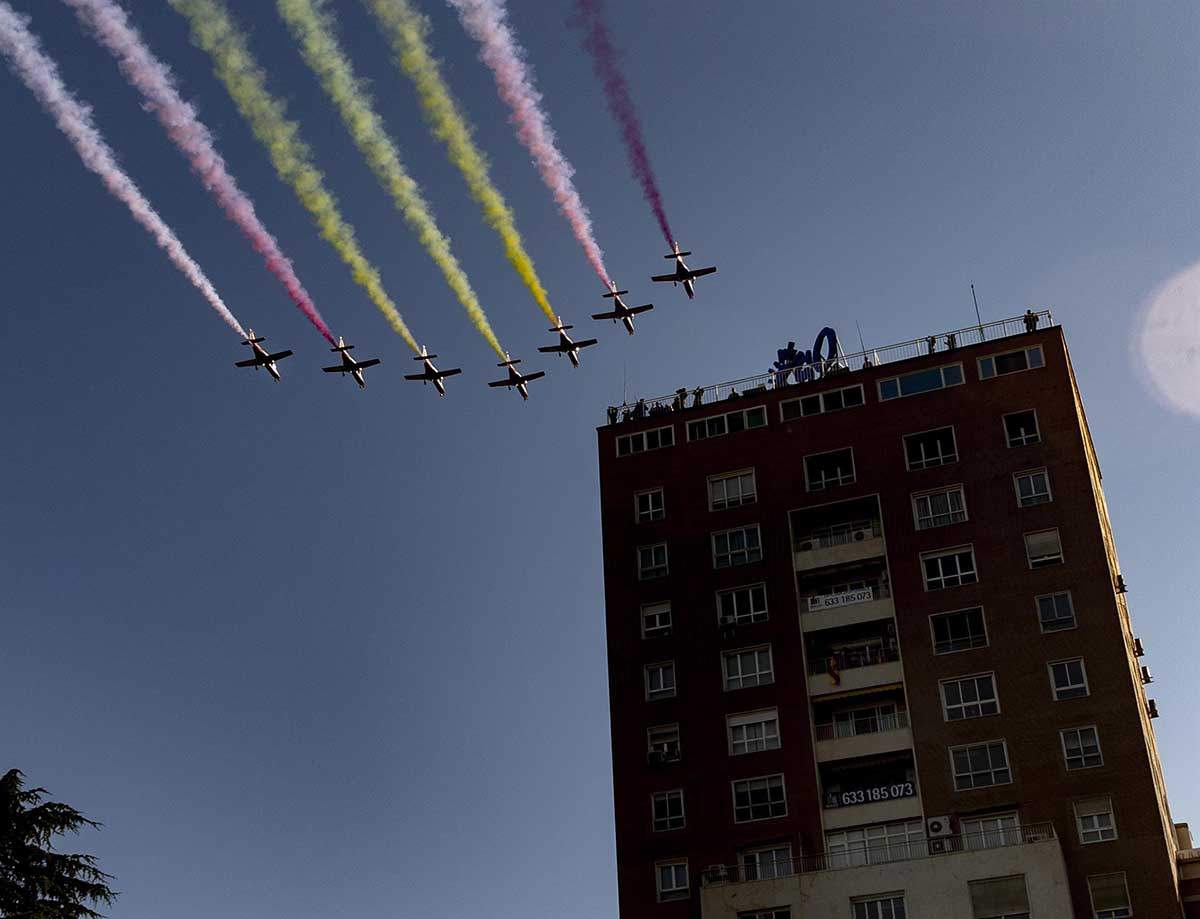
1056,612
743,605
949,568
645,440
1021,428
919,381
958,631
825,470
1013,362
930,448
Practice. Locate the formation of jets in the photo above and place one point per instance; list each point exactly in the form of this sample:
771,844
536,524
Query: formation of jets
262,358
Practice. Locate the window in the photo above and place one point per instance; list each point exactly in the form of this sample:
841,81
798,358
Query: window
1068,679
819,403
729,423
1110,896
656,620
739,546
970,697
999,898
752,732
779,912
919,381
742,605
748,667
662,743
949,567
732,490
980,765
888,906
990,832
652,561
997,365
939,508
766,863
1043,548
960,630
1081,747
1033,487
649,505
825,470
1056,611
873,845
930,448
759,799
1095,819
1021,428
654,439
672,879
667,810
660,680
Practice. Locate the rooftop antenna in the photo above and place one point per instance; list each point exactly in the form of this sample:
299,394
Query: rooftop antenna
977,316
861,344
625,383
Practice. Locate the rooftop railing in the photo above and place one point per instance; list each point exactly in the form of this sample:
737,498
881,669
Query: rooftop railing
943,343
876,852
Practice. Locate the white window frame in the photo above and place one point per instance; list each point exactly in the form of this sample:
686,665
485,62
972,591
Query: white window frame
774,912
1048,560
879,901
900,394
1070,687
741,677
942,459
673,892
754,615
944,553
653,513
989,831
1054,595
743,498
822,398
1026,440
653,695
654,743
1078,733
747,550
986,365
1031,474
988,744
826,484
667,797
656,610
644,573
768,779
642,437
724,416
775,867
987,639
1022,912
876,843
947,491
1097,829
763,716
1119,912
963,705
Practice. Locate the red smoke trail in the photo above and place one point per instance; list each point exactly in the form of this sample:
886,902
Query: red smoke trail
604,61
40,75
154,80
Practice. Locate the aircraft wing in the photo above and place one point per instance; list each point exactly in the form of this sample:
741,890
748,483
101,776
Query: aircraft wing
371,363
501,383
549,348
642,309
533,376
586,342
338,369
455,371
700,272
280,355
250,363
664,277
416,376
612,315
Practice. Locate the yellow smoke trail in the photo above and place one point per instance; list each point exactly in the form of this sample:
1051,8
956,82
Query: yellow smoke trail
407,30
213,31
313,29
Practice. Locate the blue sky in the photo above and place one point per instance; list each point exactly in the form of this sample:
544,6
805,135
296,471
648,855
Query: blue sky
308,650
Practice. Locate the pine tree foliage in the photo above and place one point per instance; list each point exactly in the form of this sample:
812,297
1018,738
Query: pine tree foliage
36,882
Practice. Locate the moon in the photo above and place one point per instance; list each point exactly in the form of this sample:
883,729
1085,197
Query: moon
1169,341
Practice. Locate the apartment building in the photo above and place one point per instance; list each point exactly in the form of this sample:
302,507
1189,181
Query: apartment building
870,651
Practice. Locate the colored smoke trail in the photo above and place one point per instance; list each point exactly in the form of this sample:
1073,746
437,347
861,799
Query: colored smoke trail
74,119
599,43
485,21
214,31
407,30
111,27
313,28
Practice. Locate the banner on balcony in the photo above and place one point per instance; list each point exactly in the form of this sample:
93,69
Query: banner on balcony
845,598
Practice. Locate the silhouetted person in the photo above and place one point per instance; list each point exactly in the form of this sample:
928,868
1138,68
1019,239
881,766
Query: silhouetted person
612,414
1031,320
931,341
680,398
697,396
639,409
951,342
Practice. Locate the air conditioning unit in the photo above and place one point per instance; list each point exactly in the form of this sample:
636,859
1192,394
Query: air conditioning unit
1121,588
715,874
936,827
728,622
941,846
1152,708
1146,677
862,535
656,757
807,546
1138,650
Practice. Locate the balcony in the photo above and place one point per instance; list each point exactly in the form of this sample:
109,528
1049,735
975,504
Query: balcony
854,668
838,545
849,607
885,733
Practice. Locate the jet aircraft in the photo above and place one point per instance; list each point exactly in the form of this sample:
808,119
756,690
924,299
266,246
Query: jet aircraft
262,357
430,374
350,365
683,274
516,378
620,310
566,345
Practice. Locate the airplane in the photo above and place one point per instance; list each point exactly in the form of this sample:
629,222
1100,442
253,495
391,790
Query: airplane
683,274
515,378
262,358
350,365
565,345
620,310
430,374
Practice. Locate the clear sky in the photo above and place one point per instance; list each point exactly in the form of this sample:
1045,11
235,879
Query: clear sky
308,651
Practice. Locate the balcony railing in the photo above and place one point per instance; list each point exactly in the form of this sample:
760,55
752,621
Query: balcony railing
877,723
853,658
841,535
943,343
881,852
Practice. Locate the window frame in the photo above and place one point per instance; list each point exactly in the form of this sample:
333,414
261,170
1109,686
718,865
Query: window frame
824,486
662,505
724,416
1100,830
738,474
1054,594
1028,351
1119,912
661,694
1077,731
742,719
954,776
1026,442
877,899
1054,687
798,401
762,615
1062,556
1023,912
643,435
732,652
667,797
942,490
652,747
908,465
946,706
660,631
1049,494
733,784
899,394
672,893
756,851
987,639
942,553
642,573
731,553
1000,831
